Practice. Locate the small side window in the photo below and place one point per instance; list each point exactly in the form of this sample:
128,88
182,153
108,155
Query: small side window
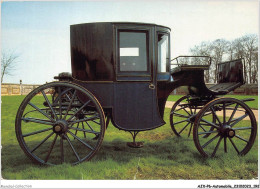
133,51
163,52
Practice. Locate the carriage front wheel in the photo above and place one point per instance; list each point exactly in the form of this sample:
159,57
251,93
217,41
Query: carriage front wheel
234,130
58,123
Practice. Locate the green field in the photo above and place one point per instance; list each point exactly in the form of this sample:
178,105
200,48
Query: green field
164,156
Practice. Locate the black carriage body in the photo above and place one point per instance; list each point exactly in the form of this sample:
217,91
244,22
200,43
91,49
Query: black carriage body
123,66
127,67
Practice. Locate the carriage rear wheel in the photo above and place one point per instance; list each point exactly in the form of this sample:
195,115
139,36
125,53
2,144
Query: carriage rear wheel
234,130
57,122
182,116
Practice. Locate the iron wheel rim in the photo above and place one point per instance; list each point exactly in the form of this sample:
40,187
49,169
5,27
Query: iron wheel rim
232,132
67,127
178,127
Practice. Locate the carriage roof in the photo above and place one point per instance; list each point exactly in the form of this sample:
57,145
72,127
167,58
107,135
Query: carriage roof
94,47
119,23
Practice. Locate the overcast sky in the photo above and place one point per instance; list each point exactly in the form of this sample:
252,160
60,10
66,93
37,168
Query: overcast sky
39,31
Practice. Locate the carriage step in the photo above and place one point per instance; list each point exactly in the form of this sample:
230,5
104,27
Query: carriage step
64,76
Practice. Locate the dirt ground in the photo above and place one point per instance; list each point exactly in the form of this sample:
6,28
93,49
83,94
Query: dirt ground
169,104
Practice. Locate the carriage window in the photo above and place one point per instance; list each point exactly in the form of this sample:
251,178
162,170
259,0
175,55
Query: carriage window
133,51
163,54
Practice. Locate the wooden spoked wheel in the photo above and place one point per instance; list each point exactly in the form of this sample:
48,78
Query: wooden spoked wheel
182,116
234,130
60,122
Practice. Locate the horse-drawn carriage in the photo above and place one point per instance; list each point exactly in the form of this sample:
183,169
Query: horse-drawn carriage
122,73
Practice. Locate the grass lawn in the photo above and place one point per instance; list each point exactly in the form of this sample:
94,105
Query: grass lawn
251,104
164,156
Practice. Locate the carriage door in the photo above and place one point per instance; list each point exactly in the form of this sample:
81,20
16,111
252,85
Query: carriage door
135,103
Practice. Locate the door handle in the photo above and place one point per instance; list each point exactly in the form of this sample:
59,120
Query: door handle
151,86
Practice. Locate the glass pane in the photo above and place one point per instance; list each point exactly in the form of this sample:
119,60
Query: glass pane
133,51
162,52
129,51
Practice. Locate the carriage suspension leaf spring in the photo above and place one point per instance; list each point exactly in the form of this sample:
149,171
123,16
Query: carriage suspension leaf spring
243,100
66,104
247,99
220,107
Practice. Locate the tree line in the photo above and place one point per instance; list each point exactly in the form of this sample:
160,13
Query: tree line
221,50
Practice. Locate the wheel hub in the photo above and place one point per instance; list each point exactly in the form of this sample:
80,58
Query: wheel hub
61,126
192,118
231,133
80,116
58,128
227,131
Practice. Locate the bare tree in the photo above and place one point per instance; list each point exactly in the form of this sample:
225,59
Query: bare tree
250,47
8,61
239,52
244,47
230,50
238,49
255,67
202,50
218,48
